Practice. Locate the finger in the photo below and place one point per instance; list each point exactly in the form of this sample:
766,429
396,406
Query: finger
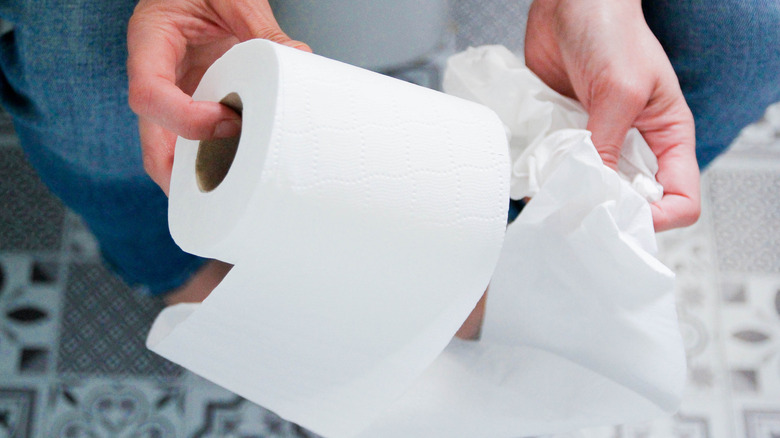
157,145
613,107
249,19
678,173
155,50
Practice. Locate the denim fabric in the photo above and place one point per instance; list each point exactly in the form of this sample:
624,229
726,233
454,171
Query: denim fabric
727,56
65,84
63,79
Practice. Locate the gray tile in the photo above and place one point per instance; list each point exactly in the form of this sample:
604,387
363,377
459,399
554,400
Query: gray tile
212,412
17,411
762,423
104,326
30,299
115,408
80,245
31,218
746,219
482,22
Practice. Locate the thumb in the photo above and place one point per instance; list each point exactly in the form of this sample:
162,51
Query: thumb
611,115
249,19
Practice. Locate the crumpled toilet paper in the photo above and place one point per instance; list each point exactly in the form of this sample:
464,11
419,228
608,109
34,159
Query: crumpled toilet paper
580,326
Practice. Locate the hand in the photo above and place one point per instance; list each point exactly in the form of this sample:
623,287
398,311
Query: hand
602,53
171,43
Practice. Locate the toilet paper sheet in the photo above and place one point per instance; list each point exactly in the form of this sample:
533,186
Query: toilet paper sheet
364,216
368,221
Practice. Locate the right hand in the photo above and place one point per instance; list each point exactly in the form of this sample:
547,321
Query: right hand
170,44
602,53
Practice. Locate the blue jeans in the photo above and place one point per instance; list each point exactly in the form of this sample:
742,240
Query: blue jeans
63,79
727,57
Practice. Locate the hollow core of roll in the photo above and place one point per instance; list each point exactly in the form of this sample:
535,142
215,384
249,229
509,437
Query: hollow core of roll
214,158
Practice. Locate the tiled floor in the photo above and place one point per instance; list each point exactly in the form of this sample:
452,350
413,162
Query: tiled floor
72,361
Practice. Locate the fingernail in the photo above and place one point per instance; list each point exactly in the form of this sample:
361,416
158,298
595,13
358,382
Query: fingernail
228,128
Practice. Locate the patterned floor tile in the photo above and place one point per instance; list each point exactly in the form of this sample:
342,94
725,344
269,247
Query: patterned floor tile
761,423
213,412
17,411
746,217
30,304
31,219
482,22
114,408
751,326
79,243
681,425
104,327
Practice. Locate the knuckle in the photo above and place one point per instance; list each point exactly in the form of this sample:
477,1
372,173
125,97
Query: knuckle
613,83
610,154
191,131
629,91
273,34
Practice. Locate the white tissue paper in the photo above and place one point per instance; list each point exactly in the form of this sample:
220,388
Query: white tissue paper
365,217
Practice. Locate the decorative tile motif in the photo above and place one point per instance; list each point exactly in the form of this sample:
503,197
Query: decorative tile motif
746,217
17,412
238,417
212,411
676,426
491,22
762,424
29,314
679,426
104,327
30,217
751,332
80,245
114,408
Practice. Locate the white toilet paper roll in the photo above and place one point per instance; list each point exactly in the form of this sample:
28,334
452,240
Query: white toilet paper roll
364,216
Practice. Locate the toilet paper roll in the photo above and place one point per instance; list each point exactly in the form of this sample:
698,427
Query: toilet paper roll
364,216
